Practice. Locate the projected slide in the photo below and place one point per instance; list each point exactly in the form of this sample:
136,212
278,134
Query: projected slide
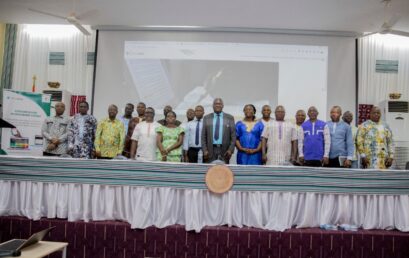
184,74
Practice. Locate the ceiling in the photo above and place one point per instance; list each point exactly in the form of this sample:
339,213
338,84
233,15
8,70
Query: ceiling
331,15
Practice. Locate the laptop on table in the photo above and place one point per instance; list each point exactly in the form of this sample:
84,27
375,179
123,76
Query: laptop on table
14,247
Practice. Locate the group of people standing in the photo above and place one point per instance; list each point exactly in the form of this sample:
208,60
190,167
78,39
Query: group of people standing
215,136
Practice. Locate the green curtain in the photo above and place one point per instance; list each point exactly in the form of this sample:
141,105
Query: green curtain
8,58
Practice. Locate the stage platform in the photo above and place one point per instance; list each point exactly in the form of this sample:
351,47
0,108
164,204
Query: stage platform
114,208
112,239
146,194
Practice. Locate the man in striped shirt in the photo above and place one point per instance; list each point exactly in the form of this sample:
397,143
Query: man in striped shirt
55,132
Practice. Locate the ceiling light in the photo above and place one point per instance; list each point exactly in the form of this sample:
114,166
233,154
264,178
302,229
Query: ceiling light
50,31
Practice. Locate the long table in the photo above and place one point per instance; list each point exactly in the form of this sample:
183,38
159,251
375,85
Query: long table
163,194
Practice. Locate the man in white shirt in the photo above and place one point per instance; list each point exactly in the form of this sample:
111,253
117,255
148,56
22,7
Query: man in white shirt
192,141
143,145
279,140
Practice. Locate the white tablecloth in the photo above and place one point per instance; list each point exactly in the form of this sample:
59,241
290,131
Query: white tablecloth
163,206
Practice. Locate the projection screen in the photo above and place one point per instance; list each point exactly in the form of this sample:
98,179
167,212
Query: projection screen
184,69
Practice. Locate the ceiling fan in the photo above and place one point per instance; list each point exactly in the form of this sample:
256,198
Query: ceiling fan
387,26
72,19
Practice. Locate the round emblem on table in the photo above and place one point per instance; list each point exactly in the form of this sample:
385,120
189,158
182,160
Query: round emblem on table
219,179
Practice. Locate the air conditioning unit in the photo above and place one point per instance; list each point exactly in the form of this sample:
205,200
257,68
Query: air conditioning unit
396,114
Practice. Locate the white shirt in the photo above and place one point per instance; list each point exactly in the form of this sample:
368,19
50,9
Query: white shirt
189,140
265,123
300,134
145,134
279,135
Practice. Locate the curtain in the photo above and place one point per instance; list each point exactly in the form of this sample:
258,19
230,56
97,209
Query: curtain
143,207
8,58
375,87
32,58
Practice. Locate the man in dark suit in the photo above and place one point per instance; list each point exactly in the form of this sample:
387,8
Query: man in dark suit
218,134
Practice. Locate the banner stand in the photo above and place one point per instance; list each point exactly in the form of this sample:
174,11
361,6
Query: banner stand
27,112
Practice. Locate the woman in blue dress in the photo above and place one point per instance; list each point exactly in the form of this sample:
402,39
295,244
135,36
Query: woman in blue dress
248,132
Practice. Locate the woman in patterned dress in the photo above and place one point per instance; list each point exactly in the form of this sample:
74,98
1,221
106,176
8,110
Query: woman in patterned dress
169,139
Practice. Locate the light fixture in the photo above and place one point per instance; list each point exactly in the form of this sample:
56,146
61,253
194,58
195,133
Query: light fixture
50,31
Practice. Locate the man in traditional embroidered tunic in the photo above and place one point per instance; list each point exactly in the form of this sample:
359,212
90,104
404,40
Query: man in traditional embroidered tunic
375,143
315,147
81,133
279,140
143,146
110,135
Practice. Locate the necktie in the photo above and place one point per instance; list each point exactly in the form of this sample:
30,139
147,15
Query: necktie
217,127
197,133
280,130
